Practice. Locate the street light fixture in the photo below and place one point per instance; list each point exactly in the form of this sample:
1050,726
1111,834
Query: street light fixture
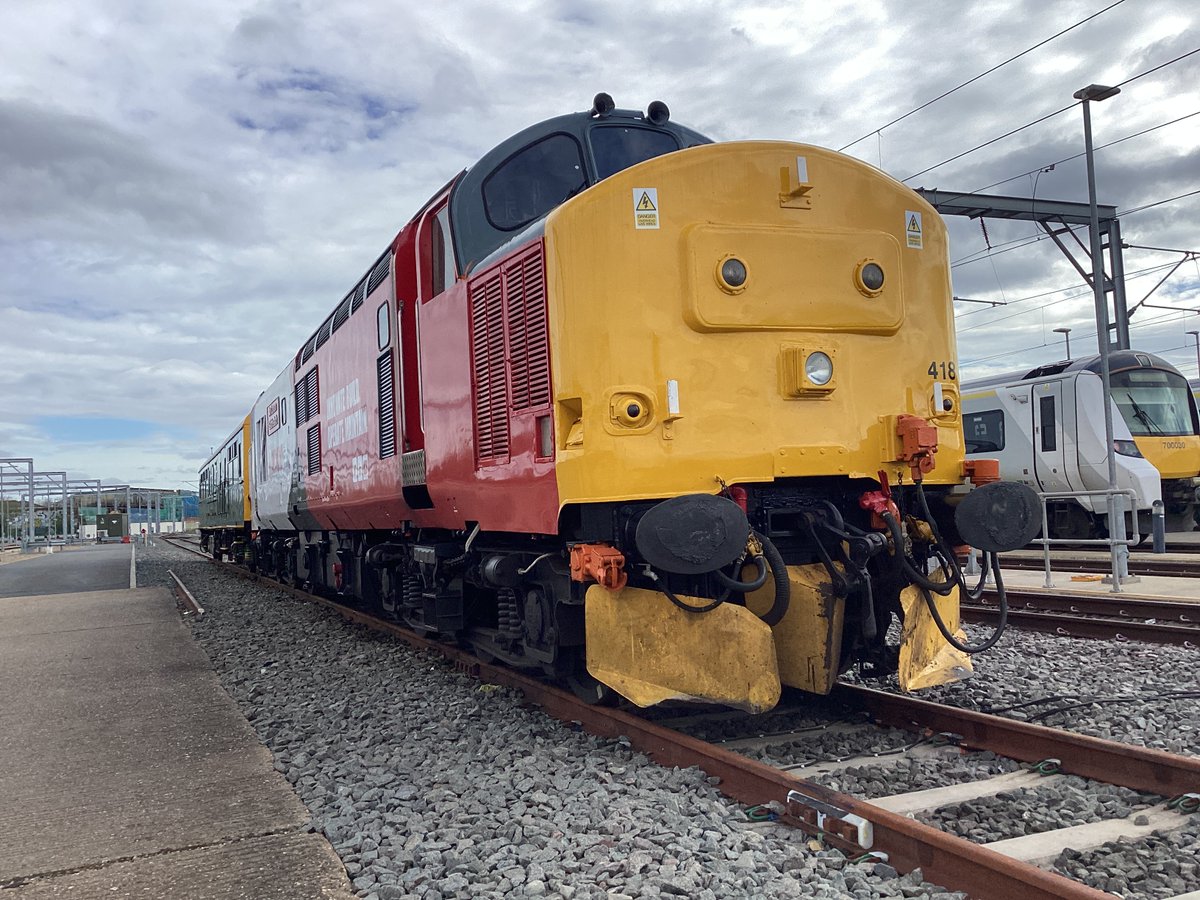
1066,333
1116,523
1196,337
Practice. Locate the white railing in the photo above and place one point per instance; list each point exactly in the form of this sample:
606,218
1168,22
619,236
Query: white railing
1118,549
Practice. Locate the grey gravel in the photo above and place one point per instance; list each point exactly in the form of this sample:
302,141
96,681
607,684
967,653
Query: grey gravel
1163,865
429,784
1071,801
906,774
1027,666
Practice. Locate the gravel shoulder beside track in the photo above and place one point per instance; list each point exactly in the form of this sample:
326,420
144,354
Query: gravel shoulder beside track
1026,666
429,784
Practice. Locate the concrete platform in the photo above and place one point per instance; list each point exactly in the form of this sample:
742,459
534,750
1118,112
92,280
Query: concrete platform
126,769
1145,587
83,567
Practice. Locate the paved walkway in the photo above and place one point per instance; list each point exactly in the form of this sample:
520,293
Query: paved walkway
128,772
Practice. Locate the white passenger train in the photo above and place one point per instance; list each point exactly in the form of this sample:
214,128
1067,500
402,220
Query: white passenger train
1046,427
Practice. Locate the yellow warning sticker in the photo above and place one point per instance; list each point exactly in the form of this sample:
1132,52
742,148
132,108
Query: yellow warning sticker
912,230
645,207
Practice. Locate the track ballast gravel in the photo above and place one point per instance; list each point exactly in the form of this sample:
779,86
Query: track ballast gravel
432,785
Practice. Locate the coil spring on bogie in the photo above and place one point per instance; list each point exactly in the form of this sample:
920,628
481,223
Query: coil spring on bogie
411,587
508,619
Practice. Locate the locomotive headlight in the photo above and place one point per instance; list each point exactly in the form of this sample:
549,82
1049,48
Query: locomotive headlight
1126,448
818,368
869,278
732,275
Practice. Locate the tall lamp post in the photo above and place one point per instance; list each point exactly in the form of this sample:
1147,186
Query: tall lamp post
1196,336
1116,513
1066,333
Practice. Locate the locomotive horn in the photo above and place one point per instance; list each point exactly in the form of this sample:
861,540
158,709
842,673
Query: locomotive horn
657,112
602,104
999,517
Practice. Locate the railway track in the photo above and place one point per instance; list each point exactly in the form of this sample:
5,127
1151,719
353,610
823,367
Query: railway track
882,826
1139,563
1108,617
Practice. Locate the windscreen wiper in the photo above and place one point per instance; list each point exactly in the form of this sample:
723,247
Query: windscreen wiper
1143,416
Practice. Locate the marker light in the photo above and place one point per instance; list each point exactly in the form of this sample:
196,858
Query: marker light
818,368
733,274
869,277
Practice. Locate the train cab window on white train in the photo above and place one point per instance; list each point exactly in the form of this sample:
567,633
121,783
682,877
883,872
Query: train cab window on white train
617,147
1049,426
383,331
984,431
1152,401
533,181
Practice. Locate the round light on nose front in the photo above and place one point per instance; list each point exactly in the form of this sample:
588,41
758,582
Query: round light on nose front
733,274
818,368
869,278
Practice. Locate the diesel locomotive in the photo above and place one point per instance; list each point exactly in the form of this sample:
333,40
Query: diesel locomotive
656,415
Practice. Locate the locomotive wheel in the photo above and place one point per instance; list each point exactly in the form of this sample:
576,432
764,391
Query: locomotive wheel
591,691
482,655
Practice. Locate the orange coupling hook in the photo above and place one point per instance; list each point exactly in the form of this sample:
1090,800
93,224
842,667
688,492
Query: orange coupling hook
918,443
981,471
598,562
878,502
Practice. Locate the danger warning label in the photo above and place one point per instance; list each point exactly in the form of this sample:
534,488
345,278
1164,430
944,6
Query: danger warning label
645,207
912,230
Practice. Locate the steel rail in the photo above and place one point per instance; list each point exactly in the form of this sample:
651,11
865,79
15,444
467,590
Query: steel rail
1119,606
944,859
184,596
954,862
1138,565
1126,765
1078,625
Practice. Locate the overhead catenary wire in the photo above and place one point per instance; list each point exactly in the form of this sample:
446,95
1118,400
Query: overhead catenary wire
1080,155
970,81
1050,115
1076,291
1147,323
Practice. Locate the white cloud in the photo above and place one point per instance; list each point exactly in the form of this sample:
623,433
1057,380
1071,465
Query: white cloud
188,188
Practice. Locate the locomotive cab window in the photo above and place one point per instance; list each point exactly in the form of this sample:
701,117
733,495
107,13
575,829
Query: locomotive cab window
533,181
617,147
383,326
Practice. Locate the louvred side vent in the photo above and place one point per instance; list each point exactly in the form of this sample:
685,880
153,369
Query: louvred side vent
387,406
314,450
510,348
487,351
525,302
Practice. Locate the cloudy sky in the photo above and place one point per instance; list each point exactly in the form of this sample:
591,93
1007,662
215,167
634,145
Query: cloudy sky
187,188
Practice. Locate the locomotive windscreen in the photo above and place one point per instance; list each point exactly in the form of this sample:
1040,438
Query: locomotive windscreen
617,147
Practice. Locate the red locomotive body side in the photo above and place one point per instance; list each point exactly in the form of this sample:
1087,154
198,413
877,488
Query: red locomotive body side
467,368
483,457
357,484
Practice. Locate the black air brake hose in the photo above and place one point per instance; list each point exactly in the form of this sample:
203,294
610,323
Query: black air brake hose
929,587
783,587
